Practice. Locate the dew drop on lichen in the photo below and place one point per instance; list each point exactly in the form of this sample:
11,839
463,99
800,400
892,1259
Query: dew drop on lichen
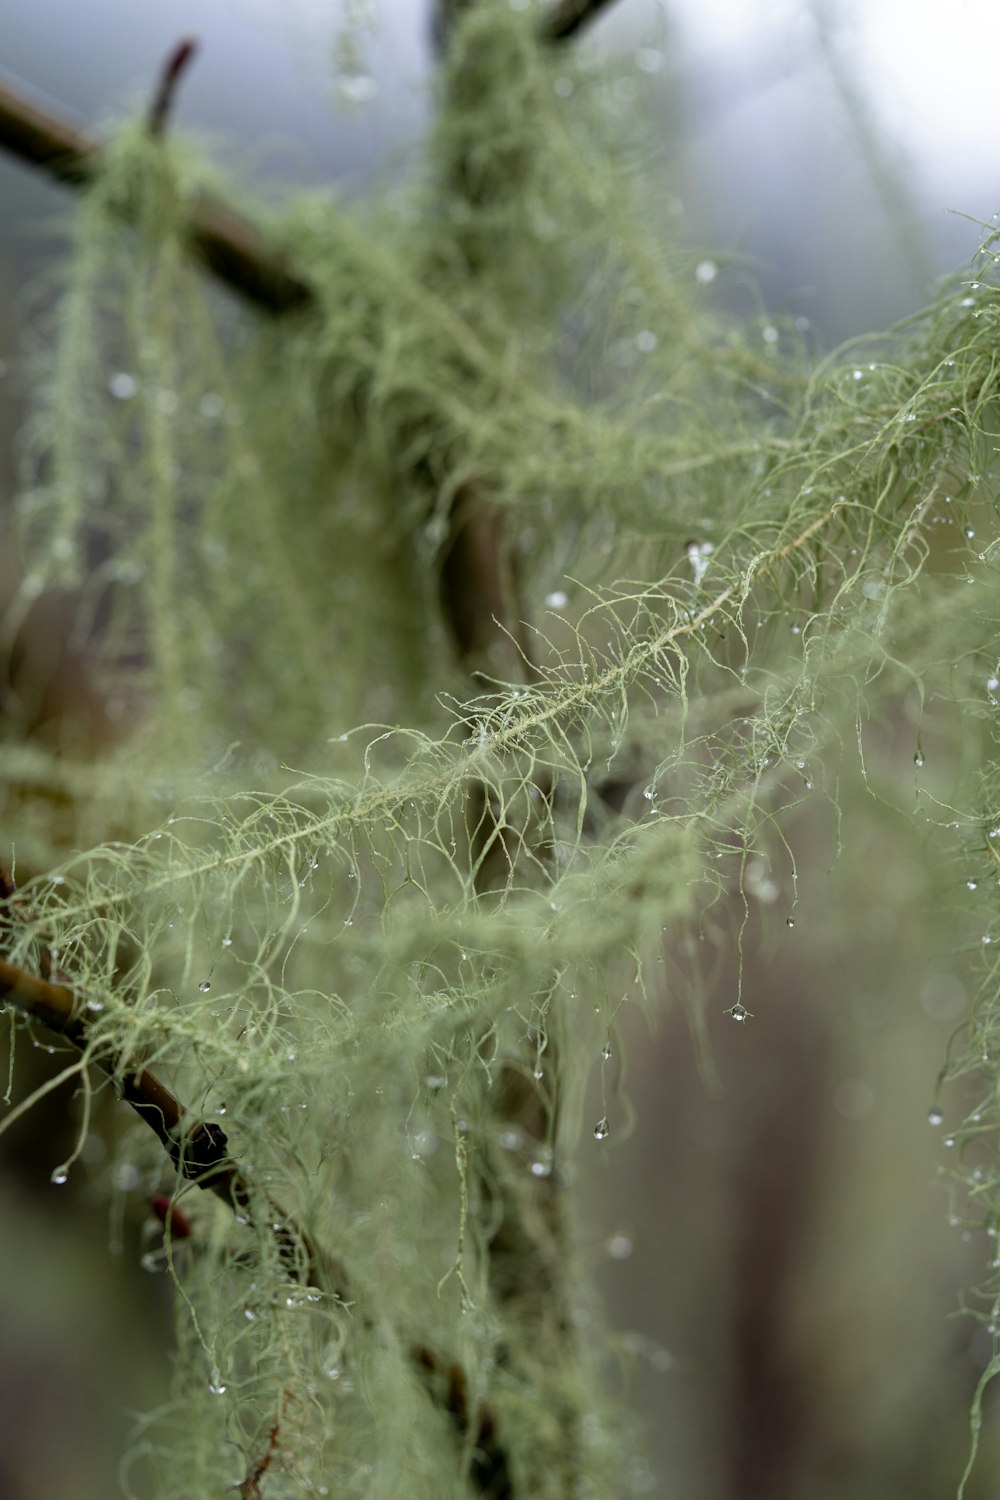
59,1176
738,1012
205,986
935,1116
602,1129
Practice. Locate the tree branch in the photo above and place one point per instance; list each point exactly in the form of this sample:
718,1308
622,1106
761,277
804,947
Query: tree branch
230,247
571,16
173,69
198,1149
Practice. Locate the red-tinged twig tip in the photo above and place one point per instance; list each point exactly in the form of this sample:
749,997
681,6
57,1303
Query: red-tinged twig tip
163,99
174,1220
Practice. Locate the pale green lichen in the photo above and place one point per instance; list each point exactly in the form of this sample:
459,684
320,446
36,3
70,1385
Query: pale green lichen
252,518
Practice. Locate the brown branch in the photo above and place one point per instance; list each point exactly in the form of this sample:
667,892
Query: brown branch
166,91
198,1149
571,16
230,247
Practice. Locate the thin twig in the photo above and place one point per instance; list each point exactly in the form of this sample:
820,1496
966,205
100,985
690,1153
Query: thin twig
166,90
230,247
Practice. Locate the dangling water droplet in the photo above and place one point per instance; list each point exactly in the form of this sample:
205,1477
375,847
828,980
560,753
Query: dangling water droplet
215,1384
606,1052
227,942
738,1012
949,1140
205,986
935,1116
972,884
150,1262
789,921
602,1129
59,1176
357,88
918,759
698,554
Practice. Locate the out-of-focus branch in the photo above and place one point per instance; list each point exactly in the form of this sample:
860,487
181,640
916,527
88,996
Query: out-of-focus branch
230,247
570,16
166,91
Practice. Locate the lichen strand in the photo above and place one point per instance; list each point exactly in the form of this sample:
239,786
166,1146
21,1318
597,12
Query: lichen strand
726,563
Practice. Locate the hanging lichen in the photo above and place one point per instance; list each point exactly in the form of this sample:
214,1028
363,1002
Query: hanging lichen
387,974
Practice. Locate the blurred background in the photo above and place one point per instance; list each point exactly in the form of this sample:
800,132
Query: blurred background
780,1251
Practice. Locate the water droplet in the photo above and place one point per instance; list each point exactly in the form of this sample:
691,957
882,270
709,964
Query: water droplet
619,1247
602,1129
205,986
738,1012
992,684
60,1176
211,406
789,921
949,1140
606,1053
705,272
123,386
215,1384
646,341
972,885
150,1261
541,1167
698,554
935,1116
357,88
227,942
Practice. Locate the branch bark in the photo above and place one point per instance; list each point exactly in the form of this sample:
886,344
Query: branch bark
230,247
198,1149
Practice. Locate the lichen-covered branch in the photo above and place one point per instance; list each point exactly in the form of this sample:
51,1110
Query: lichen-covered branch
235,251
198,1149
